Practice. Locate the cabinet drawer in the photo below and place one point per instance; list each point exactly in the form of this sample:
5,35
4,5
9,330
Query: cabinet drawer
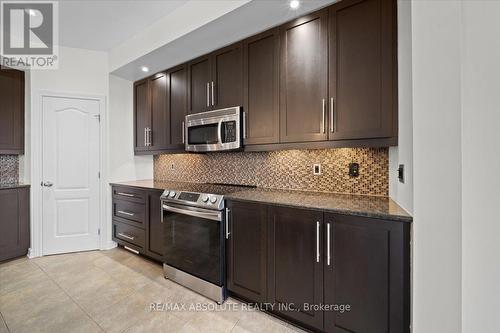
128,235
131,212
129,194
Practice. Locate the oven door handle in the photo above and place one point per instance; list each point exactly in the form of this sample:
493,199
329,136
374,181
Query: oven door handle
211,215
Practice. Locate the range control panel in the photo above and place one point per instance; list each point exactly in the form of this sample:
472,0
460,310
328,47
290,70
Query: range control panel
210,201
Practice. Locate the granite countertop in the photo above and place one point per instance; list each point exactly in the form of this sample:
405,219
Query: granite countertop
358,205
12,185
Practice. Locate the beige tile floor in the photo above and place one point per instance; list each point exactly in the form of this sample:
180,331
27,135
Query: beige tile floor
110,291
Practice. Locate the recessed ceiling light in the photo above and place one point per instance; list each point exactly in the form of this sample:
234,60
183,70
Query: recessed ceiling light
144,69
294,4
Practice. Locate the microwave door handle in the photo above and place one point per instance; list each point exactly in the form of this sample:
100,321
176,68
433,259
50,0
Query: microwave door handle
219,132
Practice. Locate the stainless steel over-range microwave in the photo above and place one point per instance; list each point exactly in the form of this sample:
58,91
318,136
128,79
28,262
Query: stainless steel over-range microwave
217,130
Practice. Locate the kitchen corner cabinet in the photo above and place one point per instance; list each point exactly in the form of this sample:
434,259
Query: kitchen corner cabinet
304,78
14,222
363,66
11,111
246,250
216,80
322,258
160,105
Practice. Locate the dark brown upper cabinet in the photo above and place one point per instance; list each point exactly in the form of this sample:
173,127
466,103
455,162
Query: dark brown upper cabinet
304,78
296,263
247,251
11,111
177,103
362,78
15,222
200,82
160,106
216,80
159,137
261,87
227,77
369,270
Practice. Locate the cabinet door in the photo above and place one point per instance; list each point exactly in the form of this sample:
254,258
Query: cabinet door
369,271
363,86
261,88
199,90
304,75
11,111
296,263
155,246
160,135
247,251
14,223
142,114
178,104
227,77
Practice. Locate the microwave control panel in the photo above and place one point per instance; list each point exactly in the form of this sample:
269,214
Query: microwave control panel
229,131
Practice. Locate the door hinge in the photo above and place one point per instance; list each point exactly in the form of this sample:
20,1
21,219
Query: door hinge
99,174
99,231
98,117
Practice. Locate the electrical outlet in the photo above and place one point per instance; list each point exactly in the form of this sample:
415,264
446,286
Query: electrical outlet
401,173
172,166
353,169
317,169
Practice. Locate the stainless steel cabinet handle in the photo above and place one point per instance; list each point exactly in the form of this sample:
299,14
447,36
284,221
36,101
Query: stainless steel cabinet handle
227,223
332,110
145,136
208,94
126,194
126,213
47,184
183,133
328,257
150,137
213,95
323,123
244,125
317,241
126,236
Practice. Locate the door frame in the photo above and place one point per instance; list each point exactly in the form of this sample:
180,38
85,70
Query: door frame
36,129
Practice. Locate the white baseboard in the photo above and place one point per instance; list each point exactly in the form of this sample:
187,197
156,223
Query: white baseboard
109,245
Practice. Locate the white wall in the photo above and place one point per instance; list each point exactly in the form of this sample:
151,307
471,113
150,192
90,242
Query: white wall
437,158
402,193
123,165
81,72
480,166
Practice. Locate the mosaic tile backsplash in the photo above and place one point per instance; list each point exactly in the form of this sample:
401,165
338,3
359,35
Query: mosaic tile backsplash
288,169
9,169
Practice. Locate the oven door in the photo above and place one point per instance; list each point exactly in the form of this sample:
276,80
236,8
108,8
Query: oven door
194,241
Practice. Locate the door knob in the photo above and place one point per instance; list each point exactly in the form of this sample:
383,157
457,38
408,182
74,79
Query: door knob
47,184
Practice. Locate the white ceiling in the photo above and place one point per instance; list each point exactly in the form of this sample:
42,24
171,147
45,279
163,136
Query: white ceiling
102,25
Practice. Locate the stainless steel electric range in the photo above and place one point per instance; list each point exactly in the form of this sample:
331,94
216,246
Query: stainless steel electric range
194,221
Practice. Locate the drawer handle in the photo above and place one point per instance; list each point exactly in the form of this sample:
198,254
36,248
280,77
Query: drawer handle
126,236
126,213
126,194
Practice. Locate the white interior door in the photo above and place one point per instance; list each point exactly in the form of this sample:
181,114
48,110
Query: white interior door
70,174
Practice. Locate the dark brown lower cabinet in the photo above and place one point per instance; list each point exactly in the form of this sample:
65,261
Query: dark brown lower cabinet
296,263
154,229
133,204
247,251
369,271
357,266
14,222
